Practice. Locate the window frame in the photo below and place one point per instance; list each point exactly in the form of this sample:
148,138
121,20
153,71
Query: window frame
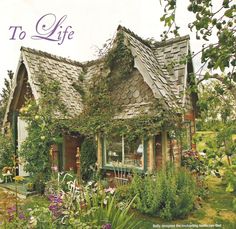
125,167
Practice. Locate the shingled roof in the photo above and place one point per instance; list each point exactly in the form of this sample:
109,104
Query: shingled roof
170,53
65,71
53,67
151,60
153,73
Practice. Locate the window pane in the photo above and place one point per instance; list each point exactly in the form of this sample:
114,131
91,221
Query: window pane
113,149
134,153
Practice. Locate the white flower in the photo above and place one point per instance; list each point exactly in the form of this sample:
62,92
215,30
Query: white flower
90,183
32,221
105,201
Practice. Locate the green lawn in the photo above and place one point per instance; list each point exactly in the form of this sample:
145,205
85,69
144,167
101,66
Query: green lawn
203,136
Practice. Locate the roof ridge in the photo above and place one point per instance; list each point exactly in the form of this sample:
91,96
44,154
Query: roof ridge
145,42
170,41
52,56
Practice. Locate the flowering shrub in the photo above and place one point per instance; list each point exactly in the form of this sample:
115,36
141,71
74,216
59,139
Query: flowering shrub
59,182
55,205
14,218
193,162
82,206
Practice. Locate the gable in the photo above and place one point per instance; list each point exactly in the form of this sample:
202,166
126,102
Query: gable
133,96
21,91
153,74
65,71
33,65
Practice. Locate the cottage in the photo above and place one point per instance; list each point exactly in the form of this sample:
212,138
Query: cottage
150,81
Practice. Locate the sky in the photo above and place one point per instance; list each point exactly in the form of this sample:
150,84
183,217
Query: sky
87,25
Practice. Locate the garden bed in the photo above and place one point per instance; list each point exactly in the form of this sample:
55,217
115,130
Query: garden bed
216,209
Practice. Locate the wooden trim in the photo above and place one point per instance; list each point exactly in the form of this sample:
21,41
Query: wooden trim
101,154
63,153
123,149
164,146
150,153
145,155
14,131
189,116
100,149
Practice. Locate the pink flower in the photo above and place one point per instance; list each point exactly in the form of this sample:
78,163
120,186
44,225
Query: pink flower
111,190
54,168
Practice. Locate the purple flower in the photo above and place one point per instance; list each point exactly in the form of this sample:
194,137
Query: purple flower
11,209
55,205
22,216
55,198
106,226
11,217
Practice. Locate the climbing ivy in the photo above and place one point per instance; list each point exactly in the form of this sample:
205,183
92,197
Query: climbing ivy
119,58
88,158
99,110
45,126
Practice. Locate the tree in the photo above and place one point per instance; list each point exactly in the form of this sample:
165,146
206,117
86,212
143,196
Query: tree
217,105
5,94
218,114
218,58
6,142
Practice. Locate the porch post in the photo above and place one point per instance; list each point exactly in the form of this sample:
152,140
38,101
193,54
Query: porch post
99,150
151,154
164,148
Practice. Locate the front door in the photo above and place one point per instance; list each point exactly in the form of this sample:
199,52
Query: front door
21,136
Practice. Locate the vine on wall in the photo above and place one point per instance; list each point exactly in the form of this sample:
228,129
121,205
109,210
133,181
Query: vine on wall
44,129
99,112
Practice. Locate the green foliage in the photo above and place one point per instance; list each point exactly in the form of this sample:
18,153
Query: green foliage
121,58
6,151
87,158
123,193
44,129
192,161
78,87
216,105
4,95
218,115
234,204
229,178
100,212
210,24
59,183
170,194
84,207
41,217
